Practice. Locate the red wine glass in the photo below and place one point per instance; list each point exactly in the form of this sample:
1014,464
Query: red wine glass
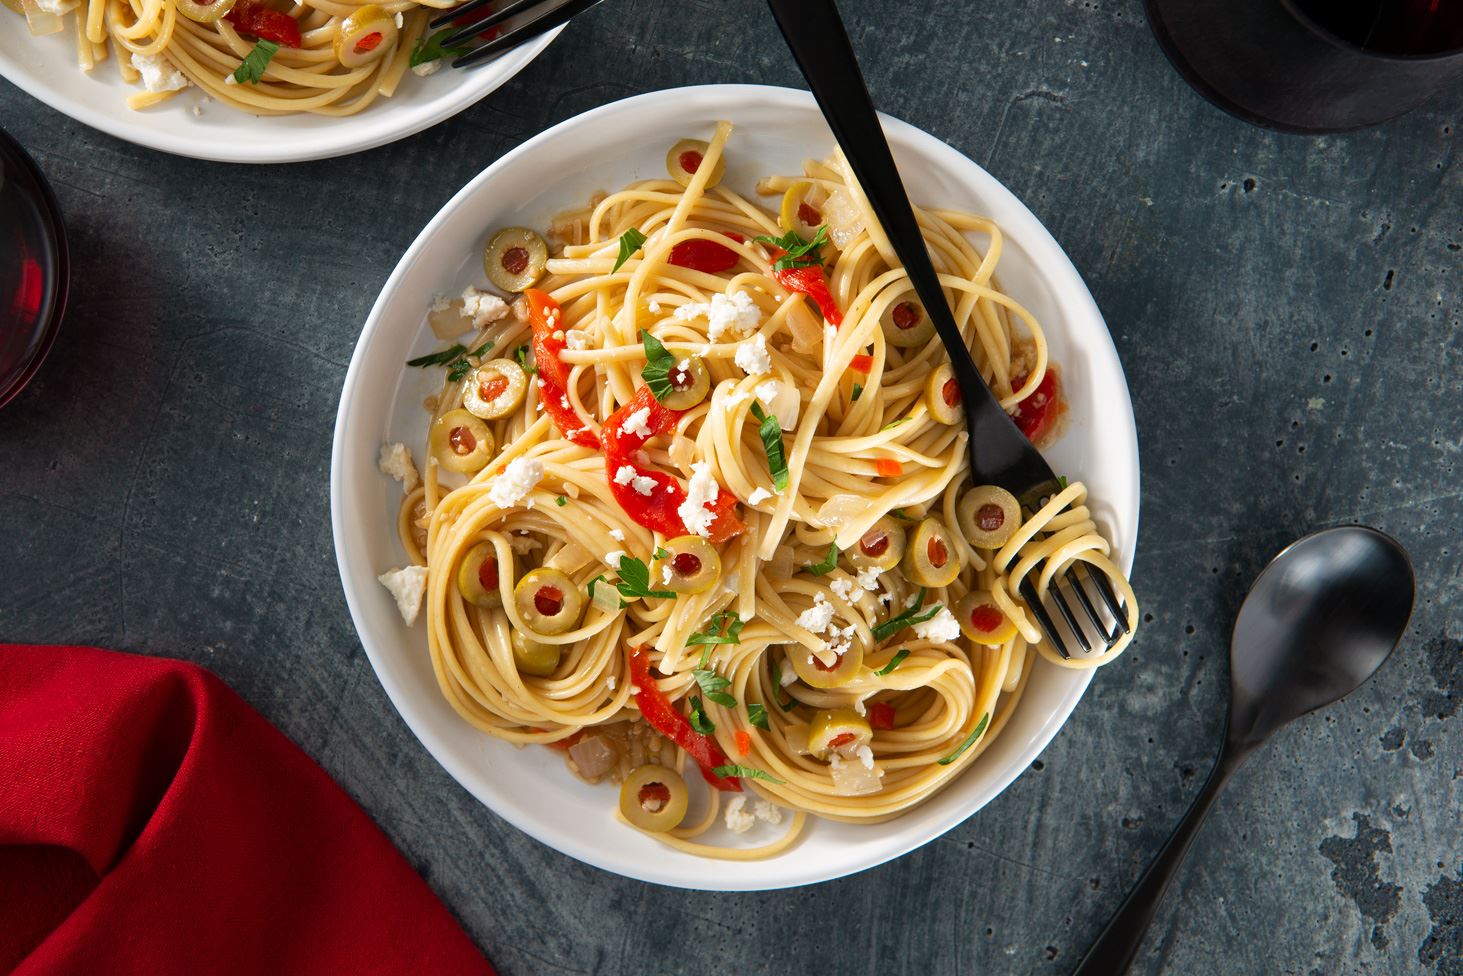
34,268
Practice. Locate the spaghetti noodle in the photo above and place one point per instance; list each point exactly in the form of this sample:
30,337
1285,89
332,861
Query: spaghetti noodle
764,498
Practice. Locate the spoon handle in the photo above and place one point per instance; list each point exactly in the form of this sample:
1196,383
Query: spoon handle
1114,950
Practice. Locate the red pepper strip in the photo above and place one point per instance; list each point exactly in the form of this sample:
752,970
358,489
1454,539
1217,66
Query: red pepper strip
553,379
657,511
665,719
808,280
1037,414
881,716
259,21
703,255
861,363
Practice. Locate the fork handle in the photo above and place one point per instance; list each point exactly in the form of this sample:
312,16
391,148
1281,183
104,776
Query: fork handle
816,35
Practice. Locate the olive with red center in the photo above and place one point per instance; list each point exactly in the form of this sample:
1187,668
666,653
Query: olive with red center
905,323
834,672
548,601
988,516
693,563
690,383
534,657
654,798
204,11
838,730
931,558
942,395
801,209
460,442
478,576
515,259
684,161
495,390
879,548
982,621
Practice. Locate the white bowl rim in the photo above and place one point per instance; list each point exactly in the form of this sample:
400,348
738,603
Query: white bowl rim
379,124
1122,432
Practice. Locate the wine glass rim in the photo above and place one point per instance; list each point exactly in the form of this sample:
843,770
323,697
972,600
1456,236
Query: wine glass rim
1336,40
55,229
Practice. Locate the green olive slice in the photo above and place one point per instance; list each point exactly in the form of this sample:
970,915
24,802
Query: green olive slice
548,601
881,547
515,259
460,442
931,559
942,395
840,730
982,621
365,36
905,323
204,11
534,657
690,382
685,158
989,516
800,212
816,674
654,798
477,576
694,565
496,389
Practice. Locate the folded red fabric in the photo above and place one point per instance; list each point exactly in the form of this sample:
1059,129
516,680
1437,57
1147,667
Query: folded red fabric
152,822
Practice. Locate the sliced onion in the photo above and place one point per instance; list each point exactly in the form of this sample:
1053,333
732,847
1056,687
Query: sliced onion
447,321
571,557
781,564
853,778
806,328
681,452
844,220
797,738
839,510
594,755
786,405
41,22
605,597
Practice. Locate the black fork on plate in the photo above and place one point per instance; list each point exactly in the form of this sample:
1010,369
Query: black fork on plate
999,453
543,16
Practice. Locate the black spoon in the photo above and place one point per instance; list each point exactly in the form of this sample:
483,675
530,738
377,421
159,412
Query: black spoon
1317,623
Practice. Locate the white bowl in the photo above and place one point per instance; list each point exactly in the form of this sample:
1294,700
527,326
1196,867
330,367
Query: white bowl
46,68
602,149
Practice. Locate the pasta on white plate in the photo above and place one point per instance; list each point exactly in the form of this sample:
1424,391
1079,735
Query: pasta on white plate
264,57
699,502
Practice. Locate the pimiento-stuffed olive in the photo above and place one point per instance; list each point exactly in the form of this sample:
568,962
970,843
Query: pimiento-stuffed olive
931,559
988,516
882,546
534,657
204,11
694,566
840,730
496,389
942,395
982,621
515,259
548,601
654,798
685,159
816,674
477,577
460,442
365,36
905,323
689,384
801,210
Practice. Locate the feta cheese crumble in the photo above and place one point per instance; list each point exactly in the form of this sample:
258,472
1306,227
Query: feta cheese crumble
641,483
817,617
612,559
767,391
407,586
700,492
758,496
868,577
768,812
737,314
617,534
739,819
636,422
427,68
482,307
158,73
516,481
752,356
395,460
577,339
941,627
842,588
735,397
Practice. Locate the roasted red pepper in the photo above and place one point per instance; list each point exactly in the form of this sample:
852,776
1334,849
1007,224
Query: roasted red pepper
547,322
1037,415
703,255
808,280
665,719
657,510
881,716
257,20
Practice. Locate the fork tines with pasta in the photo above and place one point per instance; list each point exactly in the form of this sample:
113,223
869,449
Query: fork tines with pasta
266,57
696,500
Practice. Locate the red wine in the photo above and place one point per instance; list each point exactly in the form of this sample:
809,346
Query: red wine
1399,27
32,268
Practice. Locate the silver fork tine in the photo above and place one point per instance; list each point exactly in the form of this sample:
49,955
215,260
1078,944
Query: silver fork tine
541,24
473,6
1076,582
1048,625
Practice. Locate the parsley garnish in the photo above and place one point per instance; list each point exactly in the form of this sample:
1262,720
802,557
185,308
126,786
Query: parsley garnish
723,628
857,390
894,662
251,70
635,580
430,48
439,358
771,433
600,580
630,242
777,690
899,513
661,552
800,253
970,741
827,564
714,686
460,367
757,715
732,770
908,618
658,366
561,501
521,354
699,720
1062,483
894,423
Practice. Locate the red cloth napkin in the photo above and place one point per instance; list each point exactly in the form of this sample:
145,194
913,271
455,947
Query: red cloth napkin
152,822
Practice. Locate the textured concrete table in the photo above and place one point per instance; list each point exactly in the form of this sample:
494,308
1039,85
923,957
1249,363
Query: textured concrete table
1288,310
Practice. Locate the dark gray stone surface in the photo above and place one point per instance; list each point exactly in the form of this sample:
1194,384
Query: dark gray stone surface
1287,308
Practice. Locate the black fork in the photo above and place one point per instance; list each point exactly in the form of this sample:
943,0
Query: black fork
999,453
545,16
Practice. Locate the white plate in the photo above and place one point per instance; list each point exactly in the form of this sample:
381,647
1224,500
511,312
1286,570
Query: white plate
46,68
603,149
